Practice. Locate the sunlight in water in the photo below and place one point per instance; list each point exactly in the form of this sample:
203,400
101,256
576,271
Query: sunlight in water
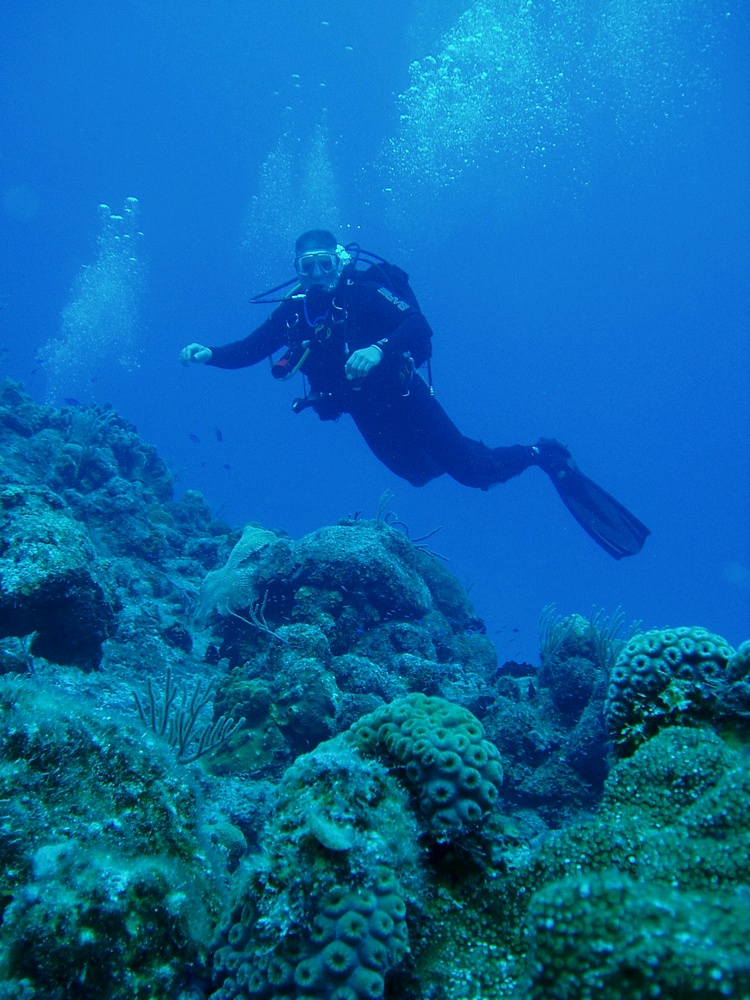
522,85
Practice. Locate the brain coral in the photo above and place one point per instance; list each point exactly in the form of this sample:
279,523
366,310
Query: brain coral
451,771
665,677
610,936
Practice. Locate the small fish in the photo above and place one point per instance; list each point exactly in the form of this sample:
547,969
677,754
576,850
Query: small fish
226,465
71,401
218,433
194,438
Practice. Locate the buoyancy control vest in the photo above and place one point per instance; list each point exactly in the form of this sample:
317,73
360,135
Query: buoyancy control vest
361,266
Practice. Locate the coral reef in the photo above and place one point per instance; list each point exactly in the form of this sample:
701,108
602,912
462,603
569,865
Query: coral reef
548,722
392,814
362,584
325,629
90,465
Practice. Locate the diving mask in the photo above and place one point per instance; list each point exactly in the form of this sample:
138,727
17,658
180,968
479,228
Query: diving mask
326,262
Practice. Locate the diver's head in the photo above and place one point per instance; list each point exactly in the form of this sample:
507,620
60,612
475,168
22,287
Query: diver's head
318,259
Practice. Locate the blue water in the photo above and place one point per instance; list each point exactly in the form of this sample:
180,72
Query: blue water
567,186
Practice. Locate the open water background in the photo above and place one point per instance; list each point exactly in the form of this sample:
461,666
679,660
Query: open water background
567,184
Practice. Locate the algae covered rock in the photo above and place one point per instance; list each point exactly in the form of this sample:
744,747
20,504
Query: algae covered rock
48,582
610,936
321,913
106,892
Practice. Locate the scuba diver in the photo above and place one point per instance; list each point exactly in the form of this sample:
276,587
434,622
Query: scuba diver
350,323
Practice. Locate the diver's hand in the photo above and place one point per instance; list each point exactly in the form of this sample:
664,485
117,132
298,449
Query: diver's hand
196,353
363,361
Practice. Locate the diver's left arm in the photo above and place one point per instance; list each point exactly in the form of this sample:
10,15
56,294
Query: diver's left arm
395,330
412,336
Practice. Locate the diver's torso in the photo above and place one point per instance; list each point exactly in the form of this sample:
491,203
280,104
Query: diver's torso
331,328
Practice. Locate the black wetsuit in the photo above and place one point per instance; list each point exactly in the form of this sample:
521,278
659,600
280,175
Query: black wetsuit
394,409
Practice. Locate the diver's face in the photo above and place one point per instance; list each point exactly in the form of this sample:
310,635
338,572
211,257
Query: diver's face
318,267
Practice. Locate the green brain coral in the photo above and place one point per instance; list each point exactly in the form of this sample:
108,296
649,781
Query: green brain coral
665,677
451,771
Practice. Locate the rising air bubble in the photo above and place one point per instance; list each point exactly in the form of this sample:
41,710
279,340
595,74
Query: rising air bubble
100,323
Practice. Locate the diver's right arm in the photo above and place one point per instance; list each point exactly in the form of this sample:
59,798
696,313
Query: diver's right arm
196,353
269,337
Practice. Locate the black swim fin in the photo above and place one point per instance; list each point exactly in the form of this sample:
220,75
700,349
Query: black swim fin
611,525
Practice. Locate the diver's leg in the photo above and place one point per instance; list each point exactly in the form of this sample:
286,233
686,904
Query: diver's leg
470,462
382,426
